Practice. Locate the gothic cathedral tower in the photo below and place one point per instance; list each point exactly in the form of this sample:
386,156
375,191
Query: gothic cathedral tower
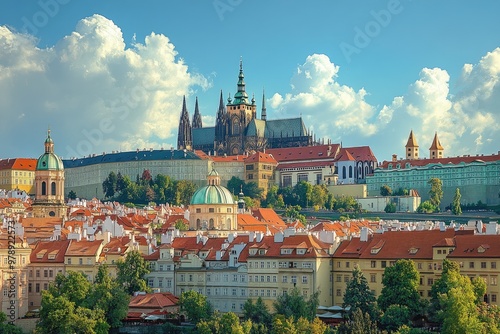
239,114
49,184
184,135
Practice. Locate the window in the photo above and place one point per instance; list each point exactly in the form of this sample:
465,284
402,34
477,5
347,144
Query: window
80,261
51,273
347,264
285,279
211,210
339,278
53,188
430,281
493,280
483,265
419,266
471,265
294,279
493,298
304,279
373,278
182,278
373,264
37,287
346,278
37,273
383,264
338,293
493,265
29,287
45,273
44,188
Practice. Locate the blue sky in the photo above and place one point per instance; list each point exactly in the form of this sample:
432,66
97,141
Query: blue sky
110,75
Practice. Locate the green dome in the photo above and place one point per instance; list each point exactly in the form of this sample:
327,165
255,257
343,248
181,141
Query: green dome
212,194
49,161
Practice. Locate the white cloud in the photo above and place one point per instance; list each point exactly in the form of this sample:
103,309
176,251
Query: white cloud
92,90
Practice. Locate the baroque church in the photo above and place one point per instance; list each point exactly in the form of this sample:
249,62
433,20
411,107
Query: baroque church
237,129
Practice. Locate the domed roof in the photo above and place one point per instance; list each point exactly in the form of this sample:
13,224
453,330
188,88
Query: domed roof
212,194
49,161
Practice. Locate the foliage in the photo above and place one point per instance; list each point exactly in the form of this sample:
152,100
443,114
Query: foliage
304,191
66,309
273,199
181,225
401,192
109,185
72,194
395,316
346,203
293,304
221,324
131,271
6,327
400,287
359,323
258,312
436,191
390,208
455,205
426,207
319,195
251,202
385,190
195,305
293,212
250,189
359,296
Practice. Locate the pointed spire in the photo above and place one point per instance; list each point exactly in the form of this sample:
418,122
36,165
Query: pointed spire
184,134
411,147
49,143
263,113
412,142
197,123
436,145
241,96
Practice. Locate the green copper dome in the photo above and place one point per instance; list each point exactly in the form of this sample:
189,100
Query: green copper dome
49,161
212,194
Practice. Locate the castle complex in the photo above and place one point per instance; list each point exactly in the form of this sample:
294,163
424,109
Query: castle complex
237,129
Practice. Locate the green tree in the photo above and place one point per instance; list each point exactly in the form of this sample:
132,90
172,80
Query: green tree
441,286
258,312
303,190
252,190
283,325
400,287
109,296
319,195
426,207
184,190
72,194
346,203
273,199
181,225
385,190
455,205
195,306
109,185
235,185
131,271
395,316
390,208
293,304
359,296
293,213
6,327
359,323
436,191
74,286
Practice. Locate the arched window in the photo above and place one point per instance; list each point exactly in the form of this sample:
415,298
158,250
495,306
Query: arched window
236,128
211,224
198,224
350,172
344,175
44,188
228,224
53,188
366,170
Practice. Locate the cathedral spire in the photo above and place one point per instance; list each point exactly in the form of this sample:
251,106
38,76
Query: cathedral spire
263,114
436,150
241,96
184,135
197,123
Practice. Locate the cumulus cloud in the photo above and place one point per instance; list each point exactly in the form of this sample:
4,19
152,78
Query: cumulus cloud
467,120
92,90
324,103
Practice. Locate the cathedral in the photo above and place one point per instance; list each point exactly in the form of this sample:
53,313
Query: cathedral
237,129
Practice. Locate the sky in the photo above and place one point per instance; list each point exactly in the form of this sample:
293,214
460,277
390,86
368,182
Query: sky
110,75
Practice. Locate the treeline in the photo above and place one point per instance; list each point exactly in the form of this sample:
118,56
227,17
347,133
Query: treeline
145,189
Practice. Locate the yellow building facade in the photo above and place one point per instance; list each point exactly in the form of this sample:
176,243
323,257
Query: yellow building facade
18,173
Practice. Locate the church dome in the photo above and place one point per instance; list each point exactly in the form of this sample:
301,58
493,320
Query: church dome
49,160
212,194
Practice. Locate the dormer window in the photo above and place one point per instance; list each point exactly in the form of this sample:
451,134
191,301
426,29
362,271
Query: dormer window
413,251
262,252
253,251
301,251
285,251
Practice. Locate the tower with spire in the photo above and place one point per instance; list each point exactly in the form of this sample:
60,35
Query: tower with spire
220,127
185,134
197,124
436,150
263,114
49,184
411,147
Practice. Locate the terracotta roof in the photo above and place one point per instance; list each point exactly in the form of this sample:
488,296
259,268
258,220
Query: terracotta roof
268,215
18,164
49,251
84,248
362,153
476,246
157,300
304,153
261,157
344,155
443,161
322,163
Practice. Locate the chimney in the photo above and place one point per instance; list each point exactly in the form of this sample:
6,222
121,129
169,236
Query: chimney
364,234
394,157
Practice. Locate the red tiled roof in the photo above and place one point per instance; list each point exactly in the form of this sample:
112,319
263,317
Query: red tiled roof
83,248
157,300
443,161
344,155
49,251
261,157
304,153
476,245
18,164
362,153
